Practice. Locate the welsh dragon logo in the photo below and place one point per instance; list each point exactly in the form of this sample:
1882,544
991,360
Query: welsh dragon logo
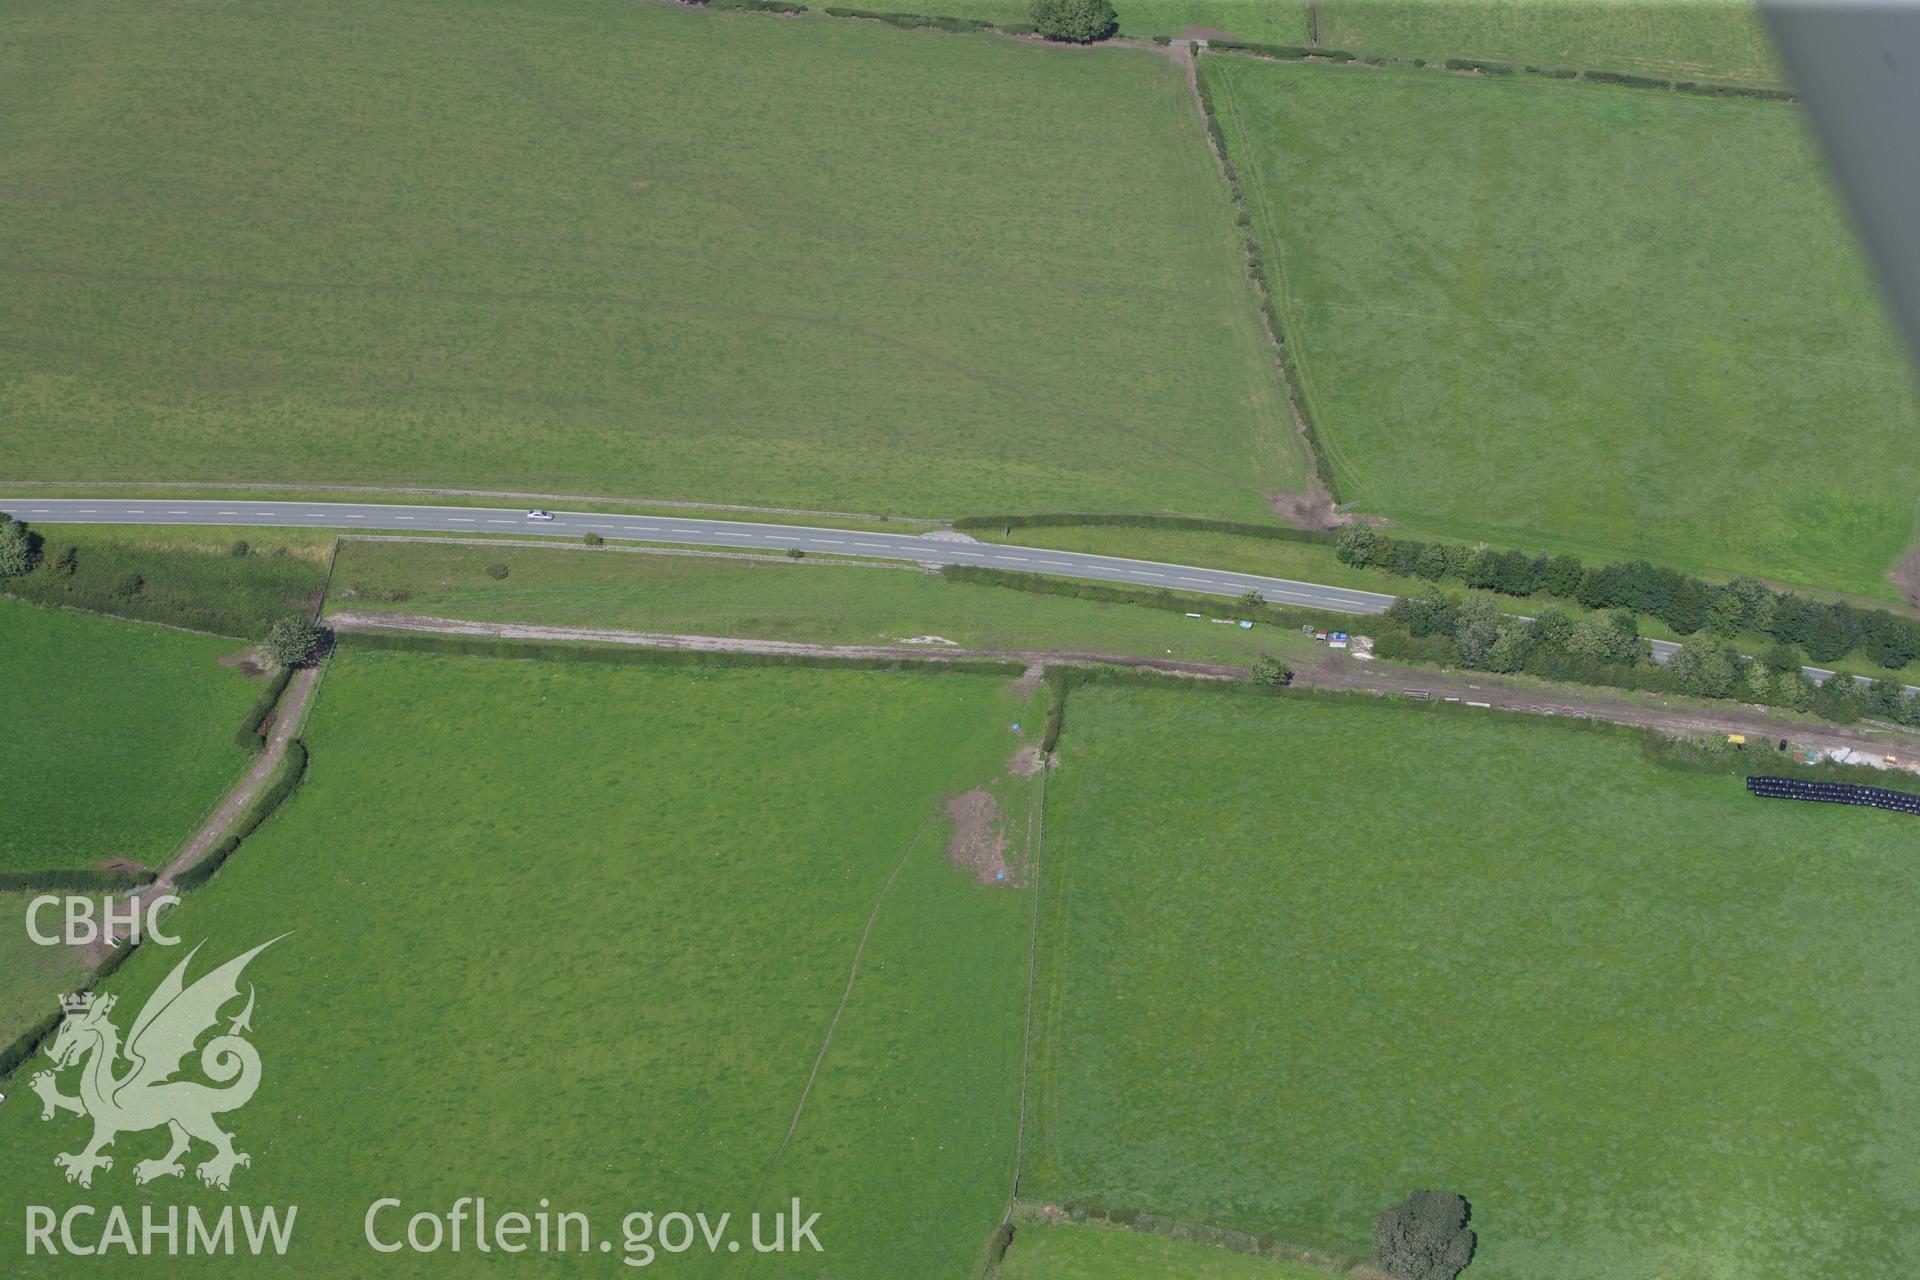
145,1095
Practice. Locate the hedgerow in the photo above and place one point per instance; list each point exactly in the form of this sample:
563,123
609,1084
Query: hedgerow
251,731
292,771
1149,597
73,881
1826,630
1077,519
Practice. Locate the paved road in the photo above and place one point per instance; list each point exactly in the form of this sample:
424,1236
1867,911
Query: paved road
924,548
707,533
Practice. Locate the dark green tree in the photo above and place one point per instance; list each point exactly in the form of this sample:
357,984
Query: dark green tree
1271,672
1687,607
1356,544
293,640
1827,640
1077,21
1562,577
16,547
1424,1237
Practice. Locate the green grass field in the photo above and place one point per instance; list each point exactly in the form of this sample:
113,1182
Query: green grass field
36,975
628,249
536,952
1300,958
1679,39
1063,1251
181,575
1545,314
121,737
771,599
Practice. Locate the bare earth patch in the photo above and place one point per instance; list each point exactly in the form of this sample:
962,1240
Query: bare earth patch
1314,509
978,844
1026,762
1205,33
248,660
1906,576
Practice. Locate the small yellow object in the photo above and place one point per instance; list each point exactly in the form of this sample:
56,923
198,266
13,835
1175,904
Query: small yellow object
1737,739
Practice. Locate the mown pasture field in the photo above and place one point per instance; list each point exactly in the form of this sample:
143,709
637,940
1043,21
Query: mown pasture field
536,951
121,736
1300,957
1065,1251
1679,40
1581,317
36,975
637,250
771,599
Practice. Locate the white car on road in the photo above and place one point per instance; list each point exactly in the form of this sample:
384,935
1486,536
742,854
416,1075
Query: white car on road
538,514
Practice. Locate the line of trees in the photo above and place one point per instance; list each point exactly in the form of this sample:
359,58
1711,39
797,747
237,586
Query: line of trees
1826,631
1606,648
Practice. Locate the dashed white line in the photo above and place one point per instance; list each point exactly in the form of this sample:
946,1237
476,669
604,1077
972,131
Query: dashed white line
1185,578
499,522
686,531
403,517
772,537
820,542
726,534
872,546
179,513
226,513
461,519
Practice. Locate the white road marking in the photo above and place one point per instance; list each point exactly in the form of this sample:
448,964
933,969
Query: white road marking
1185,578
178,513
686,531
872,546
820,542
725,534
461,519
135,511
499,522
227,513
772,537
403,517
